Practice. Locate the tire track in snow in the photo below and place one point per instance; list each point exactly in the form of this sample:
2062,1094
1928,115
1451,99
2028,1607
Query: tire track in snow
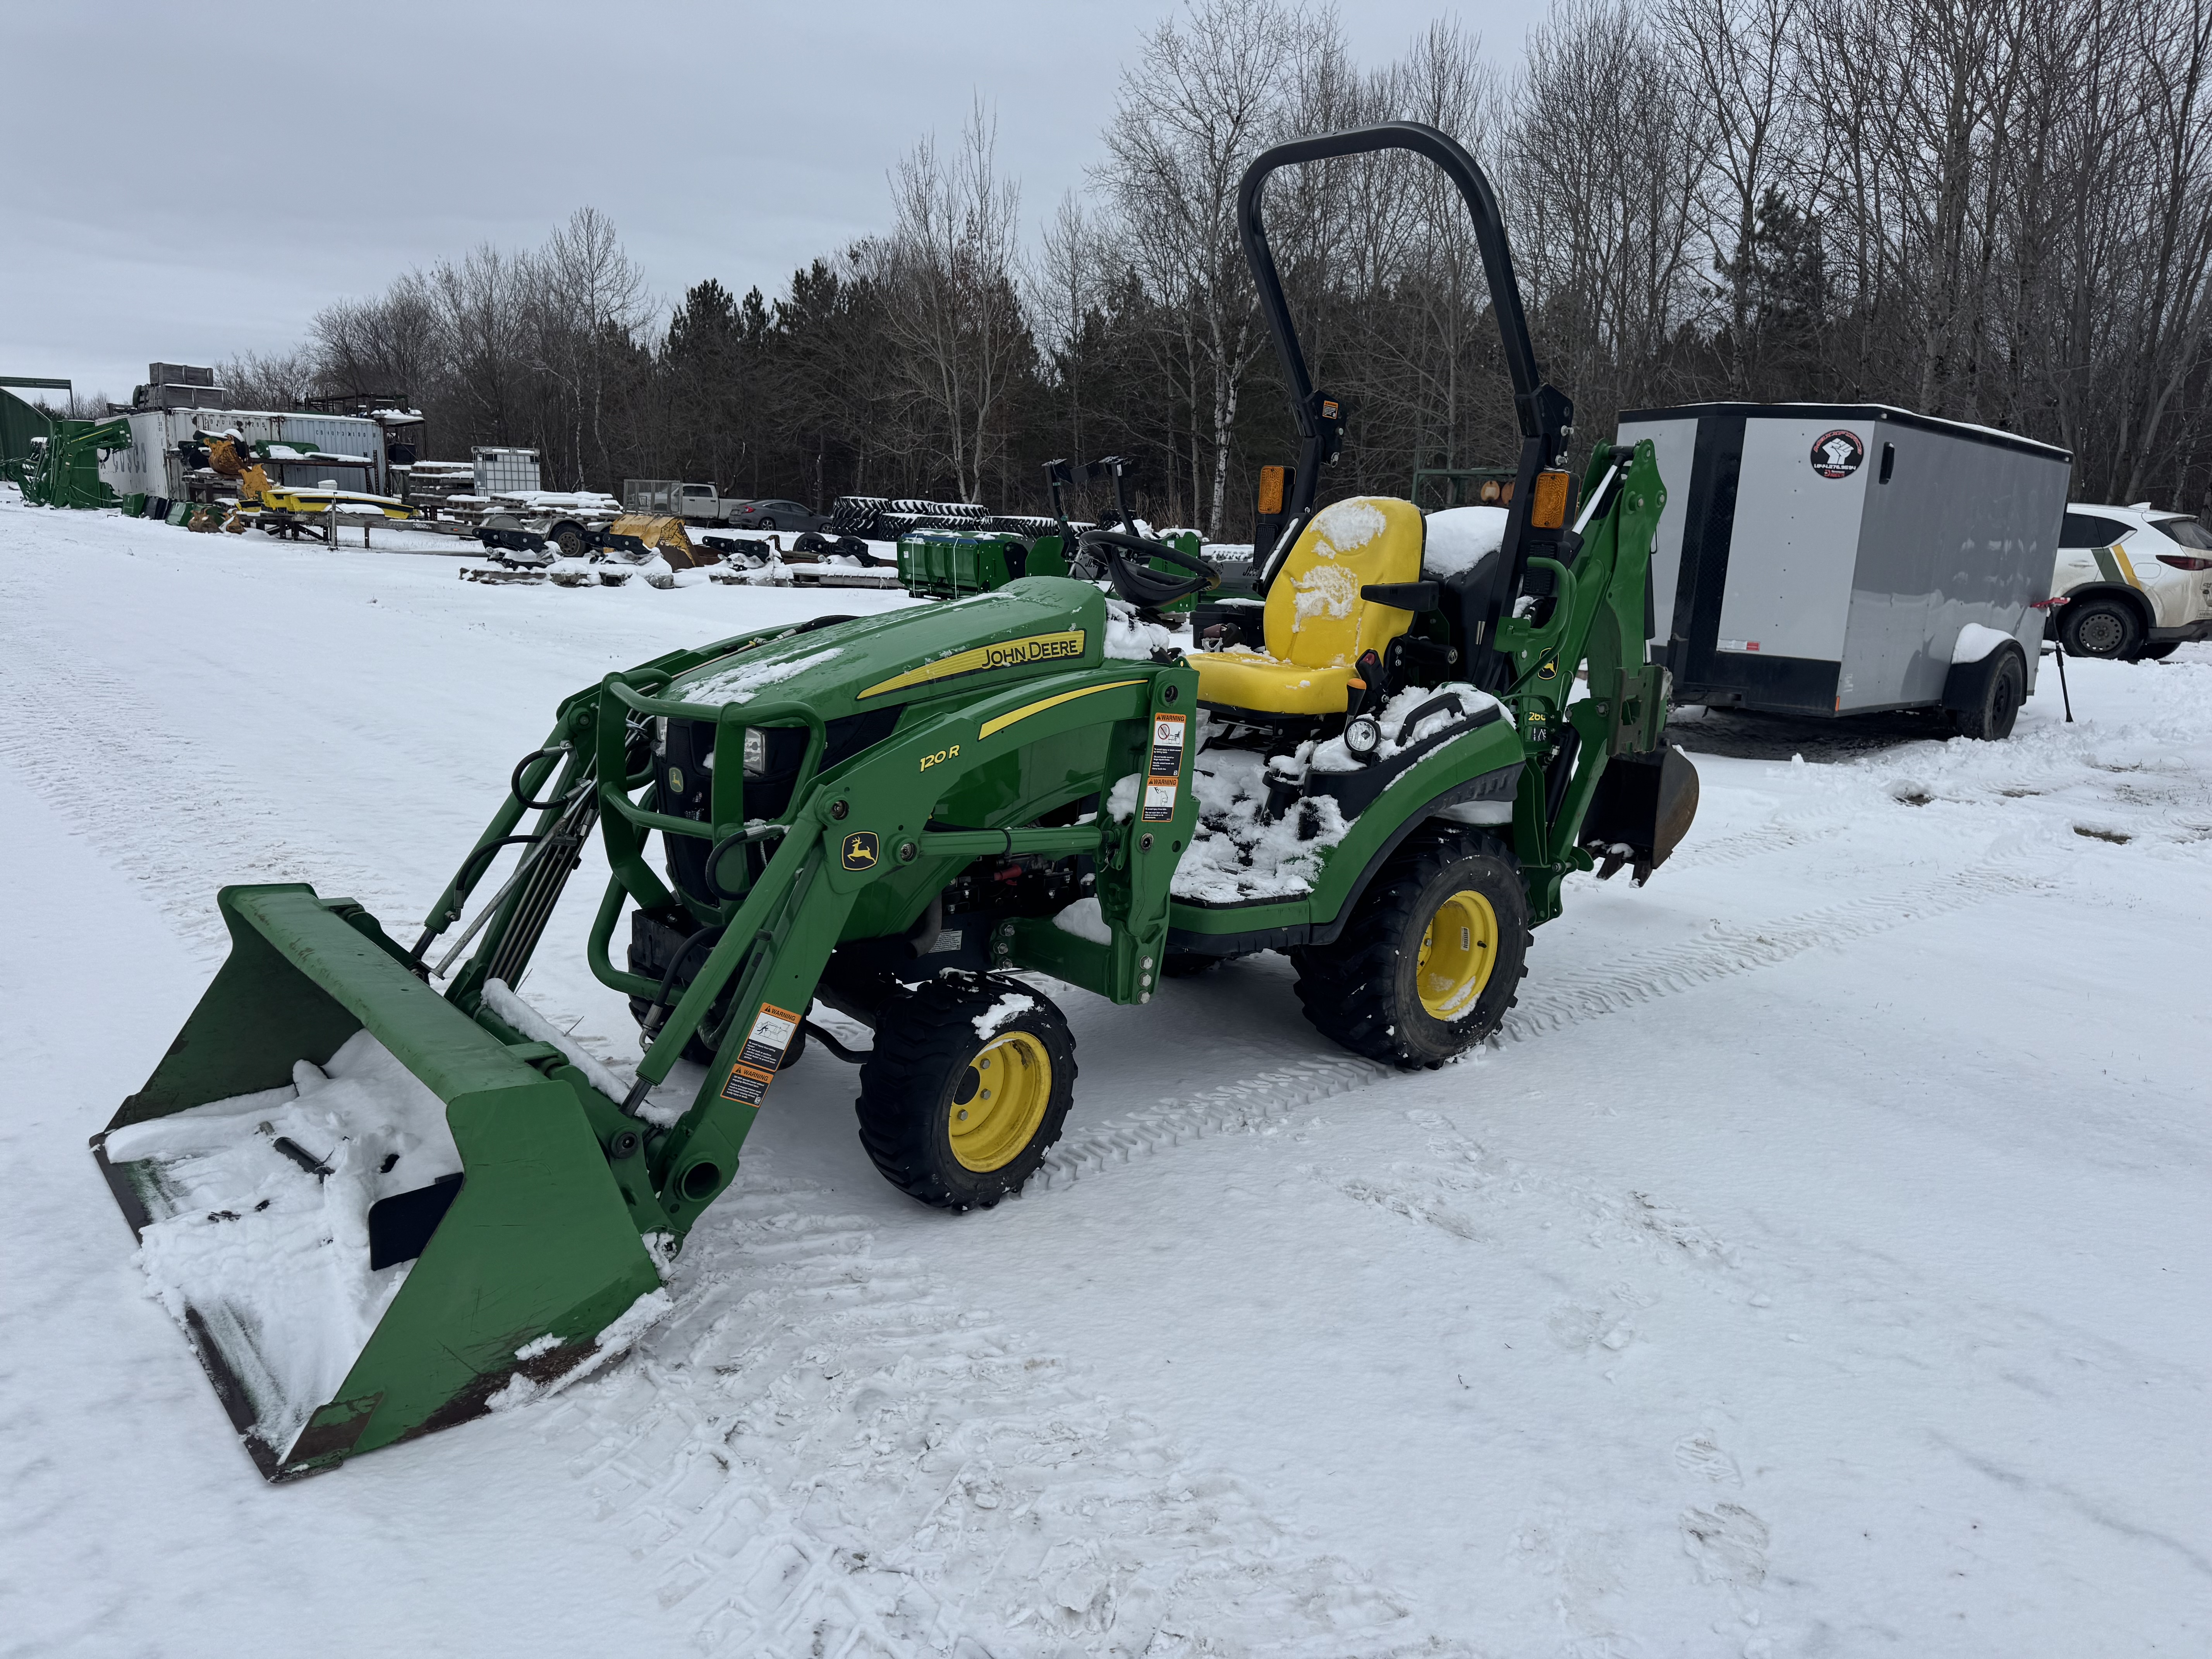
161,806
1776,835
821,1452
1729,949
1725,951
1229,1108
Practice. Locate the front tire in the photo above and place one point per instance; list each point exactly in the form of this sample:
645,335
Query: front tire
1430,960
961,1096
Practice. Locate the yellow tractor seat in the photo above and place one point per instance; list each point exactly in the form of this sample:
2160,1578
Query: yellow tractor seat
1317,625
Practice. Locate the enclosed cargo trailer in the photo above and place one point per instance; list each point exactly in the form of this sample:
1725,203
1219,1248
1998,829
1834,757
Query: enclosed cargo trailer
351,450
1839,558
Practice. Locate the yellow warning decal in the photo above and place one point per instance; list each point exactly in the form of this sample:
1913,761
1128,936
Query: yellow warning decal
990,727
985,659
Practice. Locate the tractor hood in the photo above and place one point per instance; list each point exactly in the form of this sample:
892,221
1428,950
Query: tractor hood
1036,626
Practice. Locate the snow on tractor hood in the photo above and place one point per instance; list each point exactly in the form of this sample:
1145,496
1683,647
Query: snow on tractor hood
1037,625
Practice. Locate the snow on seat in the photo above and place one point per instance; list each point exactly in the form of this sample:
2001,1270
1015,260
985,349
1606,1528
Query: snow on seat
1317,625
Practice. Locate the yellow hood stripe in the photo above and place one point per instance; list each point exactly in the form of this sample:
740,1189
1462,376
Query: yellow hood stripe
992,727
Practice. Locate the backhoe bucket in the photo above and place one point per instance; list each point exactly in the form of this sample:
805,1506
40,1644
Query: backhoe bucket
373,1216
662,533
1643,807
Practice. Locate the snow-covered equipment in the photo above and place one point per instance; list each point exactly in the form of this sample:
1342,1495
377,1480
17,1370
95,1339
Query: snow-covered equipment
383,1195
948,563
172,449
538,527
62,467
638,535
945,564
1822,559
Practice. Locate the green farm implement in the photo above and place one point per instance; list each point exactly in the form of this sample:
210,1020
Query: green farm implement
62,467
444,1207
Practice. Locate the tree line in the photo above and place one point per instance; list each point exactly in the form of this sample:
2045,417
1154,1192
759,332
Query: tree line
1994,210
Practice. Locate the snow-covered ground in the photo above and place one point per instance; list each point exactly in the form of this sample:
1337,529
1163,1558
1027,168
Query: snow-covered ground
1817,1266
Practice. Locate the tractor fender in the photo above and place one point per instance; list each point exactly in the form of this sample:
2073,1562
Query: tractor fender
1498,784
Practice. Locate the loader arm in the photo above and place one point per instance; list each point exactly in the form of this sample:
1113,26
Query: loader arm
864,833
1591,627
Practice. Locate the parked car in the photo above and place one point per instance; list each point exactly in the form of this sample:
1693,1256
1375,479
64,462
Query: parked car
777,514
2138,582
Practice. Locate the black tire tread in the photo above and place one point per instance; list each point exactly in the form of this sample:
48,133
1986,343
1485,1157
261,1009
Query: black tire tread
1986,719
1344,988
2132,636
920,1038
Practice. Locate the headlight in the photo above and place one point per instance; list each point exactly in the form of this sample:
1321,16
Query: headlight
1362,736
756,752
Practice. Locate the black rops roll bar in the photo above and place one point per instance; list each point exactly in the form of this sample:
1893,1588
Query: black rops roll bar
1547,416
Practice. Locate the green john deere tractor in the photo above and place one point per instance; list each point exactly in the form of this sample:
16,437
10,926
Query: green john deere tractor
444,1205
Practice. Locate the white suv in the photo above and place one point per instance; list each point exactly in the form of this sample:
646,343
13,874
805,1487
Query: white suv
2138,583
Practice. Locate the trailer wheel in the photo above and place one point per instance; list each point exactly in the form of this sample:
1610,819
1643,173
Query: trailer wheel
961,1096
570,540
2103,626
1996,701
1430,960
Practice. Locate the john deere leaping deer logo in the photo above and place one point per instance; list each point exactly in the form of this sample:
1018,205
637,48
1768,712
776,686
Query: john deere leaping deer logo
1837,454
861,850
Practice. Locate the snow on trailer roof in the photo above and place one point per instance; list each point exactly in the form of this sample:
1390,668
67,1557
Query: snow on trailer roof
1889,412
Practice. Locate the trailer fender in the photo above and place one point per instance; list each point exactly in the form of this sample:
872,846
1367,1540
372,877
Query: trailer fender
1963,686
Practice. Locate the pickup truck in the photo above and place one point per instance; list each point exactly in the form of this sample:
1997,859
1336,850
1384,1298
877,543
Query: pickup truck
699,503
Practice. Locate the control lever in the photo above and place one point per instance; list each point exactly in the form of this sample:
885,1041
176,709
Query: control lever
1118,466
1058,476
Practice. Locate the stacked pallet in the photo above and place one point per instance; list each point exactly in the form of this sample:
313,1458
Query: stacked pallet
441,490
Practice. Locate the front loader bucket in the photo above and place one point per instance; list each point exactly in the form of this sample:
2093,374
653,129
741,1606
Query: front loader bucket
1643,807
373,1216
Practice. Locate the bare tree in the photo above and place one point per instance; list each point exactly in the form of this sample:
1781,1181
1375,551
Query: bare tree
1205,96
1739,56
953,310
589,299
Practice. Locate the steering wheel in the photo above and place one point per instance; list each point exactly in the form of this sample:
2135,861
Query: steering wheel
1135,581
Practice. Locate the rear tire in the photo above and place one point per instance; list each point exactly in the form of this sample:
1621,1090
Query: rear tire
957,1118
1397,985
2103,626
2003,689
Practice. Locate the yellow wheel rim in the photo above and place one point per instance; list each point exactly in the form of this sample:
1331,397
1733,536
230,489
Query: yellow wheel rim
1457,951
1000,1101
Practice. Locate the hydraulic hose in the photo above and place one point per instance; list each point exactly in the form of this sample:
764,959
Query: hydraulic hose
514,778
706,936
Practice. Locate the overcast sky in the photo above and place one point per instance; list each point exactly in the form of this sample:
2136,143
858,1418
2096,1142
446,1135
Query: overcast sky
186,182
